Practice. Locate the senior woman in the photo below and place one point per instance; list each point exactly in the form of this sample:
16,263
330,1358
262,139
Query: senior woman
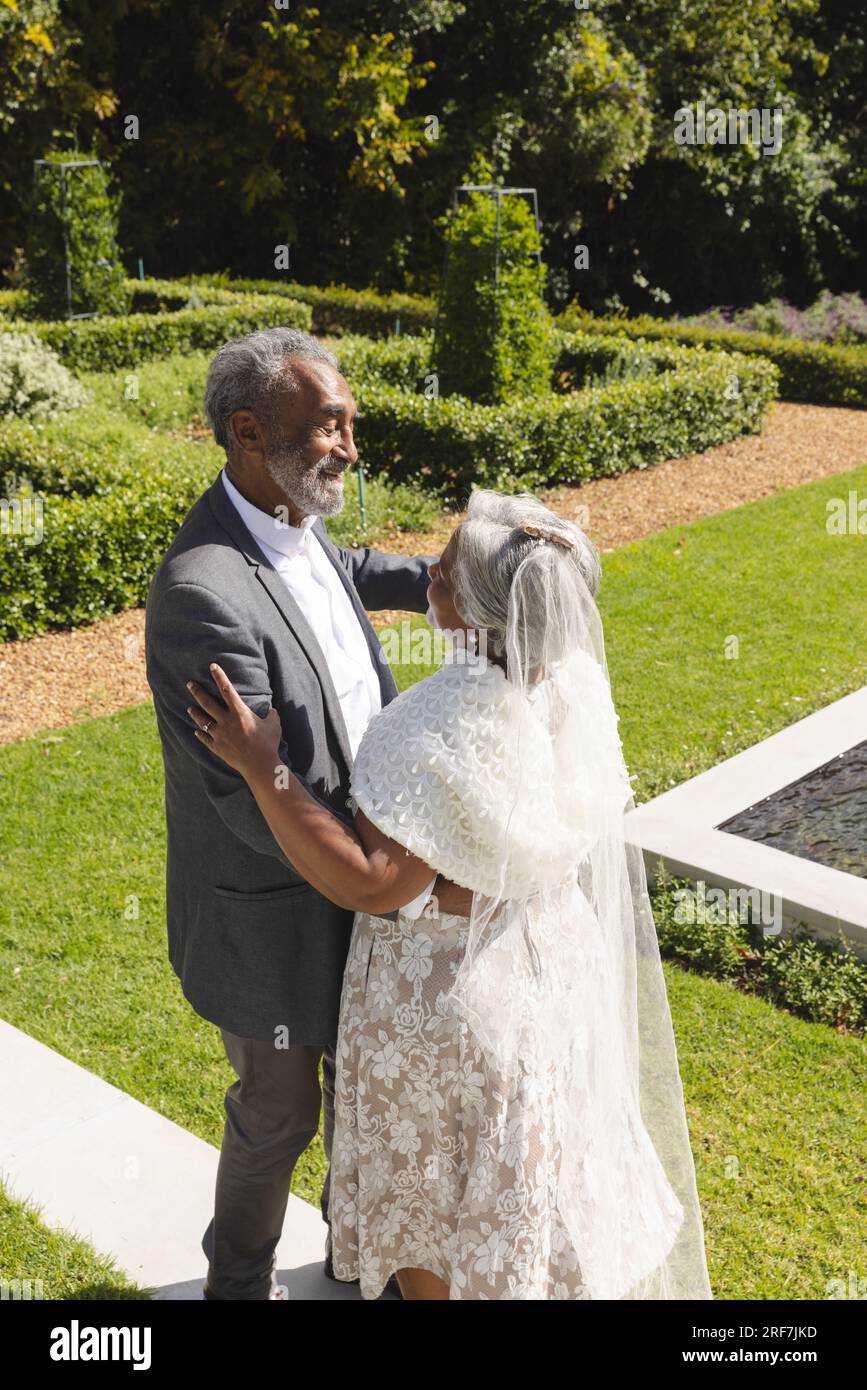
509,1119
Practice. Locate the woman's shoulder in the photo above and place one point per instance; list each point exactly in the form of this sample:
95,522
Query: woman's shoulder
455,684
442,711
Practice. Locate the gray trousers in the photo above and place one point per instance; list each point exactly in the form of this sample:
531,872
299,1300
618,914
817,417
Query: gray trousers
272,1114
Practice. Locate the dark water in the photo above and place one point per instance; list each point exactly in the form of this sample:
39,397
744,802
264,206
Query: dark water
821,817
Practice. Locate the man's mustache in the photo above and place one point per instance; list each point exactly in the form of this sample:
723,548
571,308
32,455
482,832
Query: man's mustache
331,464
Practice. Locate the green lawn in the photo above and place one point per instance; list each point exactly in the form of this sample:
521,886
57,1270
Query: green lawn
768,574
775,1104
38,1263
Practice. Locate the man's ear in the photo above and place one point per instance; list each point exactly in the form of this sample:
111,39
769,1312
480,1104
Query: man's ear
247,434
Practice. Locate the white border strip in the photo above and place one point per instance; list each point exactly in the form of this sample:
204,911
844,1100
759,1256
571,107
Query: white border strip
680,825
136,1186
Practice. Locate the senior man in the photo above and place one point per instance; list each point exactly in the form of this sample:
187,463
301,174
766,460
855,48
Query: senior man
252,580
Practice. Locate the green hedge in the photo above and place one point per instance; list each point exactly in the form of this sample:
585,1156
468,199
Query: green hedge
157,296
113,494
100,344
96,555
338,309
13,303
813,373
671,401
96,454
395,361
114,491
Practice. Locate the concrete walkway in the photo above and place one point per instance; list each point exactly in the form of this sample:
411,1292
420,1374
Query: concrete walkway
136,1186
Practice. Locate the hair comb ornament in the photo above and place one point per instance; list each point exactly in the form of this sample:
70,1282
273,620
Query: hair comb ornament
548,533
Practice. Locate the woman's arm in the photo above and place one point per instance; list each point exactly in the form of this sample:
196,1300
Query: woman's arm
360,869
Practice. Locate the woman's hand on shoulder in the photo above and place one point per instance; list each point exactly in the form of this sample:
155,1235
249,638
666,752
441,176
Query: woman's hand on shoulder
232,730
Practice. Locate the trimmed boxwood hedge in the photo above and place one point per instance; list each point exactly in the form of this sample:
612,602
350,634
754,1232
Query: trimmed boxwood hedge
812,373
114,492
100,344
96,556
682,401
338,309
99,549
97,454
396,361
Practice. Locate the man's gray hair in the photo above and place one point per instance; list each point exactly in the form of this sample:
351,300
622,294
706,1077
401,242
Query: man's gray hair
247,372
490,548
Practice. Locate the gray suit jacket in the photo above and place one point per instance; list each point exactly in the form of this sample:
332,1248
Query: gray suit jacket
254,945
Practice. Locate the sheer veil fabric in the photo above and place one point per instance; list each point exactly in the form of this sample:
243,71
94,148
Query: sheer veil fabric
517,790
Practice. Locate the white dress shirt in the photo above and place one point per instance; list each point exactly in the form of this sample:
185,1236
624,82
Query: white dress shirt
304,568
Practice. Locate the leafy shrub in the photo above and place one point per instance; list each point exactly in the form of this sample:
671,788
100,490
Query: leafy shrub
494,338
706,942
694,399
816,373
113,495
811,976
104,343
587,360
396,361
13,303
32,379
832,318
93,453
161,296
96,555
818,980
840,318
168,392
115,488
73,215
338,309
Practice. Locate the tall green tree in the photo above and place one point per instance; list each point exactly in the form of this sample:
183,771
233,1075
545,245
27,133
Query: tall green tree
341,130
43,96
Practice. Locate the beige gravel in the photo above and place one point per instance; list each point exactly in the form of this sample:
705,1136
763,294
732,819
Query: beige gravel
60,678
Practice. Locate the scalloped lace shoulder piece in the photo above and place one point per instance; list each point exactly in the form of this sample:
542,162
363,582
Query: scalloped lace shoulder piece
473,779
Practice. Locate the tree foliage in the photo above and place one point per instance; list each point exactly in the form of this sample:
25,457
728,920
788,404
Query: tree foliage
340,131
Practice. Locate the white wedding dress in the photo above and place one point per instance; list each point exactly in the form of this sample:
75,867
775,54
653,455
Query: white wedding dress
441,1160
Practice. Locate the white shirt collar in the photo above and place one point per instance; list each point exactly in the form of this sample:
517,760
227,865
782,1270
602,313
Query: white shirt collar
278,535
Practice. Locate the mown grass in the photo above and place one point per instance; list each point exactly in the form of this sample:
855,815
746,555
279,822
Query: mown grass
775,1103
39,1263
768,575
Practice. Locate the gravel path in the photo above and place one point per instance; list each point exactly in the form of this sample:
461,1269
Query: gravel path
60,678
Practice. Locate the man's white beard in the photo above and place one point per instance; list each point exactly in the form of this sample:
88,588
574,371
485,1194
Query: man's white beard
306,486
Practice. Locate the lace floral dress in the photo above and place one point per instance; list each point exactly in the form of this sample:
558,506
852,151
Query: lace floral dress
439,1162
